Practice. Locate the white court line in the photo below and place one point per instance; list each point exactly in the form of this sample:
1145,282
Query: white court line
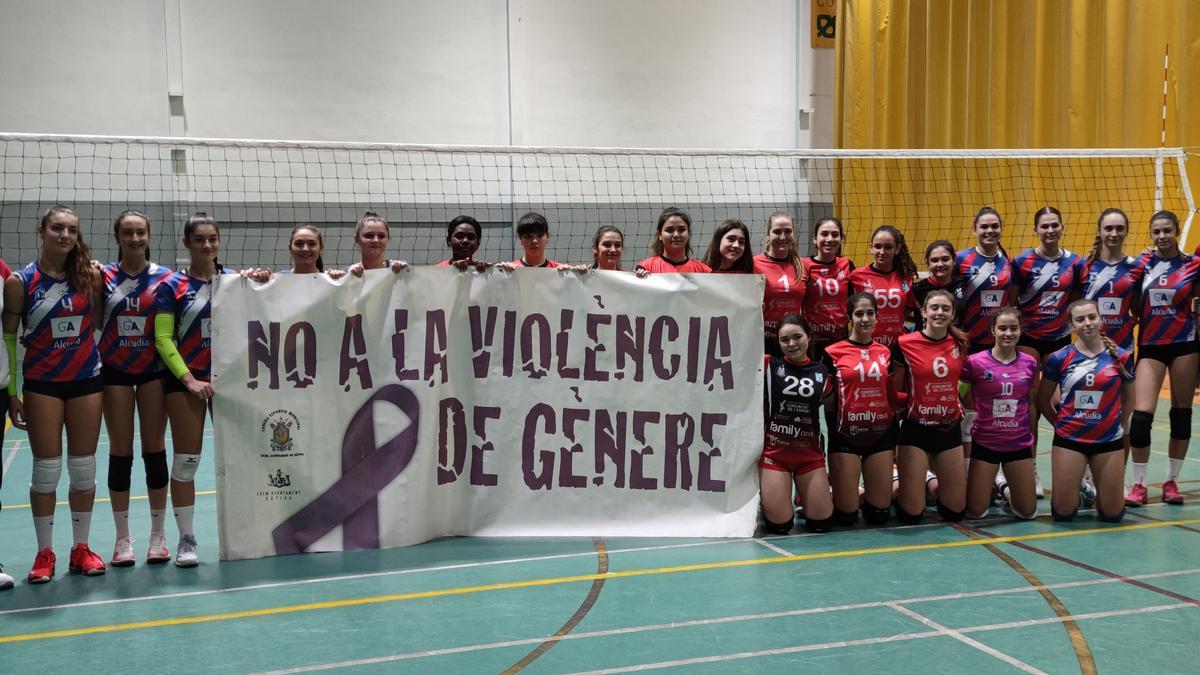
773,547
12,455
951,633
901,637
742,617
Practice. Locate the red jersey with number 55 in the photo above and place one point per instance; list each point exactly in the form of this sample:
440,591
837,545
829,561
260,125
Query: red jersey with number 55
934,367
784,293
825,293
863,400
890,289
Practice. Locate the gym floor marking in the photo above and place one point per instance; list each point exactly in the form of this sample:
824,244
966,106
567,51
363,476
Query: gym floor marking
743,617
552,581
956,635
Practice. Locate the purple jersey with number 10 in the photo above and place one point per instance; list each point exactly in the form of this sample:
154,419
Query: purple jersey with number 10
1091,393
1001,393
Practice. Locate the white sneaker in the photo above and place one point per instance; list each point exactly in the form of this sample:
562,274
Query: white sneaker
158,553
1087,494
185,554
1037,485
6,581
123,553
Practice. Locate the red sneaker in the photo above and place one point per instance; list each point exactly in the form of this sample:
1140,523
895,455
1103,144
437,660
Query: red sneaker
1171,493
1137,496
85,562
43,567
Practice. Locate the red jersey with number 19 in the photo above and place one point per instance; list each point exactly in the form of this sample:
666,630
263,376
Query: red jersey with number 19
59,338
934,367
864,404
784,293
825,293
890,289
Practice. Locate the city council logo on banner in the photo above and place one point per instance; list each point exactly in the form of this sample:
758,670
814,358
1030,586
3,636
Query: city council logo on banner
281,423
278,482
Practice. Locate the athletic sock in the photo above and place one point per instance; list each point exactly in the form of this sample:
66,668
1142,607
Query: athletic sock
1139,472
121,520
43,526
158,518
81,524
1174,466
183,520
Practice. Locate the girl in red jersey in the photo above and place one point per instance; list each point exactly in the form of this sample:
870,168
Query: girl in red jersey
463,236
864,435
889,279
608,244
372,235
781,266
1166,343
1000,385
793,390
939,260
57,299
672,247
927,364
729,250
827,284
133,379
181,336
1096,390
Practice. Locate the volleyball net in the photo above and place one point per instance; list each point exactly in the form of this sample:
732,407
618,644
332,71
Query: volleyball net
259,190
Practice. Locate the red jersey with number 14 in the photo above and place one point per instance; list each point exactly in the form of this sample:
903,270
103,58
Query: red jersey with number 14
864,403
890,289
934,367
784,293
825,295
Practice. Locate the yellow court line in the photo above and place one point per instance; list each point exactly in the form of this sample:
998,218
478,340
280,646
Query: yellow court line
101,500
552,581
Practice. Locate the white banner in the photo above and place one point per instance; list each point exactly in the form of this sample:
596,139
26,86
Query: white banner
389,410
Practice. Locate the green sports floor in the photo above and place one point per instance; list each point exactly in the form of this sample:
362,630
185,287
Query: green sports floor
993,596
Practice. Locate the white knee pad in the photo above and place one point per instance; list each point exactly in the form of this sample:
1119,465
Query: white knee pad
82,472
968,423
46,472
987,510
183,467
1024,516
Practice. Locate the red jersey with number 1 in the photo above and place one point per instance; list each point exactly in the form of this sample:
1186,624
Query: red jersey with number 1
825,293
890,289
784,293
863,403
934,367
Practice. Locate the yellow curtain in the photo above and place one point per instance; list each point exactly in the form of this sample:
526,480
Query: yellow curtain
1012,74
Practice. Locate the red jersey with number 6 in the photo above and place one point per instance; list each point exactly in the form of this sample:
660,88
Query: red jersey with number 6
934,367
864,404
890,289
825,293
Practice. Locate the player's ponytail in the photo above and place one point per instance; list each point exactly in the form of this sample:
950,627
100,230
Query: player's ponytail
1111,347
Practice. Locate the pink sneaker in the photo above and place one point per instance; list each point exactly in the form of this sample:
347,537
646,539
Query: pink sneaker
123,553
158,553
1171,493
86,562
1137,496
43,567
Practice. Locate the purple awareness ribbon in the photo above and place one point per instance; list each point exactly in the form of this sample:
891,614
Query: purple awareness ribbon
367,468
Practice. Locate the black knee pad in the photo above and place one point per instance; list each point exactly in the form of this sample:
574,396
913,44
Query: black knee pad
1139,429
845,518
1064,517
874,515
157,473
1115,518
119,469
1181,424
819,526
777,528
948,515
906,518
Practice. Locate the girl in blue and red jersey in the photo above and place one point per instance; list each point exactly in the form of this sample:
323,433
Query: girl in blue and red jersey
1045,280
863,437
1096,393
889,279
372,235
987,278
181,335
939,260
1000,382
827,284
783,269
672,245
1166,343
1113,279
133,378
729,249
927,365
57,300
793,389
